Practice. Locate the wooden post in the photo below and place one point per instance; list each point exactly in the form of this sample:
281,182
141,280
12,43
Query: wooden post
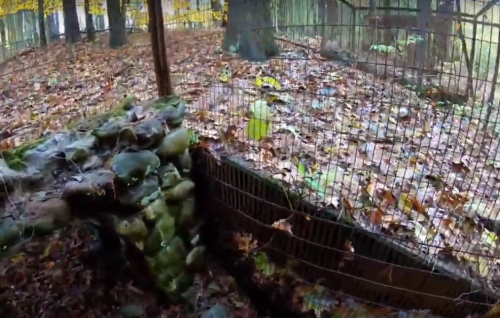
161,67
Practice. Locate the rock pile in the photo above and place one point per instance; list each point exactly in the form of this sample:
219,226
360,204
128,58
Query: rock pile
127,171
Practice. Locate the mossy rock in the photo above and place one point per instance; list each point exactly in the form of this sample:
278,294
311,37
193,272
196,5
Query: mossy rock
14,158
119,109
180,192
170,176
130,167
174,144
172,110
166,227
134,228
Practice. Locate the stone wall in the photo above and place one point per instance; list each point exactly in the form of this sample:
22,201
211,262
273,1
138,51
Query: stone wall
126,173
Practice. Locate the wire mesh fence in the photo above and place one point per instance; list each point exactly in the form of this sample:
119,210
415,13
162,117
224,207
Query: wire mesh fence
385,127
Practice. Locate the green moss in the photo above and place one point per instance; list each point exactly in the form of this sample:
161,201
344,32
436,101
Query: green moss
166,101
14,158
119,109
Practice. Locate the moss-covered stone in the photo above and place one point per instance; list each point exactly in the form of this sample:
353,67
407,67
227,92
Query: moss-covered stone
14,158
134,166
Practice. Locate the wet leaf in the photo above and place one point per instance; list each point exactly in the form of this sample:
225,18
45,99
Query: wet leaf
283,225
246,243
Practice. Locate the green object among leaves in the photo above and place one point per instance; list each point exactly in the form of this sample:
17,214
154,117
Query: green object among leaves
324,180
263,264
257,128
166,101
193,137
385,49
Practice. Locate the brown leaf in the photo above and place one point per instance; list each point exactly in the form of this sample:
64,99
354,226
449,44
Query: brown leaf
376,216
417,206
386,197
201,115
246,243
349,206
228,135
283,225
459,166
349,251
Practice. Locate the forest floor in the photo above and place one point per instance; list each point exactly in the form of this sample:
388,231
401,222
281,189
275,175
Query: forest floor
50,276
347,136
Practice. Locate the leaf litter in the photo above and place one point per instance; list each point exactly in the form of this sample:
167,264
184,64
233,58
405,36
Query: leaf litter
390,161
51,276
314,297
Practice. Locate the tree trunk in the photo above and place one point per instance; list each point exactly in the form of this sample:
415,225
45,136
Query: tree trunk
101,23
89,22
328,17
71,25
41,23
250,29
53,26
117,35
235,20
424,14
3,38
444,30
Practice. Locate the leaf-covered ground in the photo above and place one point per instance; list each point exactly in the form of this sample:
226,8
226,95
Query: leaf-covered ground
392,162
52,276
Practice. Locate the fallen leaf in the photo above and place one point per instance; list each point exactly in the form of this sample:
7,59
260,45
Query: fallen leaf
283,225
246,243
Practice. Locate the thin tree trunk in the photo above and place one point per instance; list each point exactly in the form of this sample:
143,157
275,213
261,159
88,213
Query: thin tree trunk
41,23
89,22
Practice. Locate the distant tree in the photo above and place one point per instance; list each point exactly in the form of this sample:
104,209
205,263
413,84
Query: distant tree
53,26
116,16
89,22
328,18
217,8
3,37
71,25
249,29
41,23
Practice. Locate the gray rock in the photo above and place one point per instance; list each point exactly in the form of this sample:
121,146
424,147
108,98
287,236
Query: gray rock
169,176
89,185
143,134
108,133
174,144
79,150
136,193
172,110
131,167
217,311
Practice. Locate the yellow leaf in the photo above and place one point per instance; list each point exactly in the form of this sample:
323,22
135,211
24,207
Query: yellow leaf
46,251
18,258
404,203
267,81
